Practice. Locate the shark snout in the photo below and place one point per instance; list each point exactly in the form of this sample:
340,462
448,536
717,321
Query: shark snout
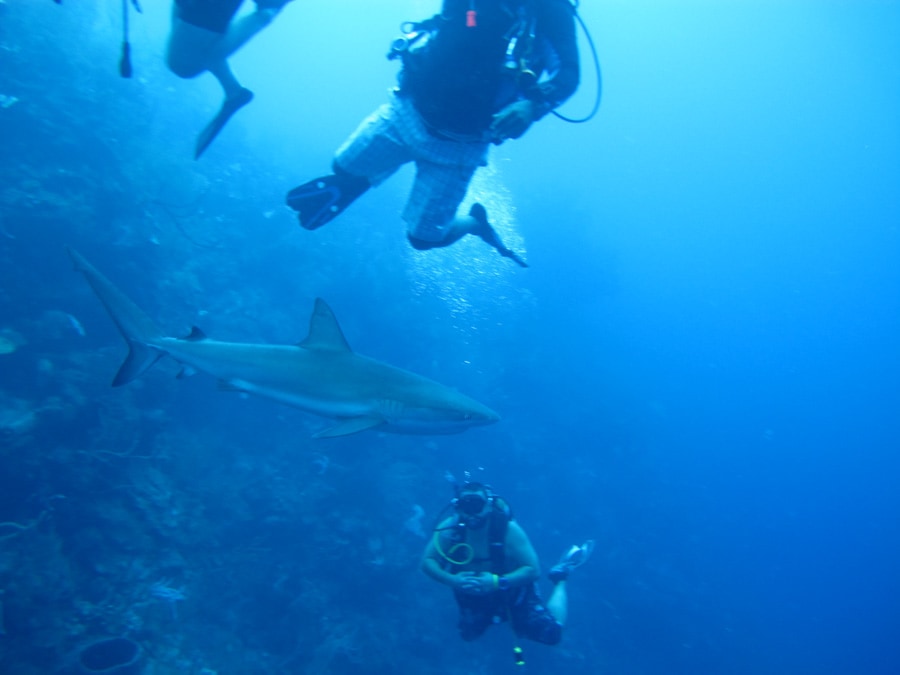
481,415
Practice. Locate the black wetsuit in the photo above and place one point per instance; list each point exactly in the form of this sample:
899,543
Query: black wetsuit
458,80
214,15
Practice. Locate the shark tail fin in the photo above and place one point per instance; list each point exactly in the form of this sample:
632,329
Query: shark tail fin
138,362
138,329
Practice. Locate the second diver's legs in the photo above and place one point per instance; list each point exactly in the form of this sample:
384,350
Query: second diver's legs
239,33
187,55
237,96
475,223
221,70
241,30
188,47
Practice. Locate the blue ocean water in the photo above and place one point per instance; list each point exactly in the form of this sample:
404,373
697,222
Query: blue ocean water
698,371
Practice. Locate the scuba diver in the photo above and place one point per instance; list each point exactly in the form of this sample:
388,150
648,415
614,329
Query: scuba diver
479,73
202,38
483,554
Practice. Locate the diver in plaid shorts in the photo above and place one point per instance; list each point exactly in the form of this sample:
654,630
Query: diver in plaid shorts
479,73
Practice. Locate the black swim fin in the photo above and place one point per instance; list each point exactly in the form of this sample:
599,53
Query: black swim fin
489,235
211,130
319,201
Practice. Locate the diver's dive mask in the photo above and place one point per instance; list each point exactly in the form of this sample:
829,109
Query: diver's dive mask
471,503
472,508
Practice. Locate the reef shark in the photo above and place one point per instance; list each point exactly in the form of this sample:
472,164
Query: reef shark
321,374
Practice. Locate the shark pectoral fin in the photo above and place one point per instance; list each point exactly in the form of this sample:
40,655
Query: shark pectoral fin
350,426
138,361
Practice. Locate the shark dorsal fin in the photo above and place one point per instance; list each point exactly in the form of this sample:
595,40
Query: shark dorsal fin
324,331
196,335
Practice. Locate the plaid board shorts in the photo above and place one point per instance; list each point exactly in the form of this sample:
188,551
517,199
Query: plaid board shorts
396,134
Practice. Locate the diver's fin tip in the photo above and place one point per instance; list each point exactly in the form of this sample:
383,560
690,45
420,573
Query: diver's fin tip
230,106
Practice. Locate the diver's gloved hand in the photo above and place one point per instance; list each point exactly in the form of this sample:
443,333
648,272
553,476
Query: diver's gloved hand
513,121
